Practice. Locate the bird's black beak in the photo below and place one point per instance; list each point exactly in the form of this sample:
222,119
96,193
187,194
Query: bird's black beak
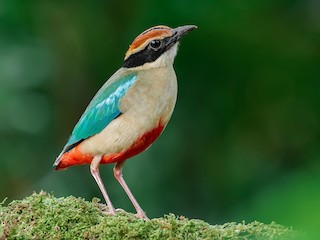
183,30
177,33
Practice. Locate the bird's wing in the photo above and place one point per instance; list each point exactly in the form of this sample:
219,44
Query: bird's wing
103,108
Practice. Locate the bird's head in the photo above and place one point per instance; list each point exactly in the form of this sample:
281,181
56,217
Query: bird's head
155,47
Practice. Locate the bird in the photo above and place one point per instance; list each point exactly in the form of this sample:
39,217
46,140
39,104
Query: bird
130,111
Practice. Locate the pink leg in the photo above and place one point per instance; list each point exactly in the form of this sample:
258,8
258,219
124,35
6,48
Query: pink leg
94,167
118,175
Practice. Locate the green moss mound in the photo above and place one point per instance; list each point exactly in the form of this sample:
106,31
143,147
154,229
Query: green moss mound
42,216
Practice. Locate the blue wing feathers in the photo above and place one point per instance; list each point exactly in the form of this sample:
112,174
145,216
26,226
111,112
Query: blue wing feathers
103,108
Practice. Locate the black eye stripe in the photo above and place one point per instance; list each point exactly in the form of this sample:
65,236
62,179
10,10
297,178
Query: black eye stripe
147,54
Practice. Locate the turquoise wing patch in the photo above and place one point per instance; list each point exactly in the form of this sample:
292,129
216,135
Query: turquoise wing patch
103,108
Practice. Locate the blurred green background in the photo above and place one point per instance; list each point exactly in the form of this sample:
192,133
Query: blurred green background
244,140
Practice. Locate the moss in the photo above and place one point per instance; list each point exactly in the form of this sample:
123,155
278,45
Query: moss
42,216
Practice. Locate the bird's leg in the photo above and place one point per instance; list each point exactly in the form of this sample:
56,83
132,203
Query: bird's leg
94,167
118,175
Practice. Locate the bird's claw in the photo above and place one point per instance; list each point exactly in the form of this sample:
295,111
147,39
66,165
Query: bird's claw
105,209
142,215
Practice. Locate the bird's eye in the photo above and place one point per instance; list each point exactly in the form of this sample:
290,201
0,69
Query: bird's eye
155,44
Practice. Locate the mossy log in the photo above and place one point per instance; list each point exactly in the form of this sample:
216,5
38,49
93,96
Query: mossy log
43,216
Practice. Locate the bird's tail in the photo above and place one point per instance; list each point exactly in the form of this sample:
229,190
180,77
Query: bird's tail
71,157
65,150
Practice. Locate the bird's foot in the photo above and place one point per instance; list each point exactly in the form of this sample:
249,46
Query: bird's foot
105,209
142,215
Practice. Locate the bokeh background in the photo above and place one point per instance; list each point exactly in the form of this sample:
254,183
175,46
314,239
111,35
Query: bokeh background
244,140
